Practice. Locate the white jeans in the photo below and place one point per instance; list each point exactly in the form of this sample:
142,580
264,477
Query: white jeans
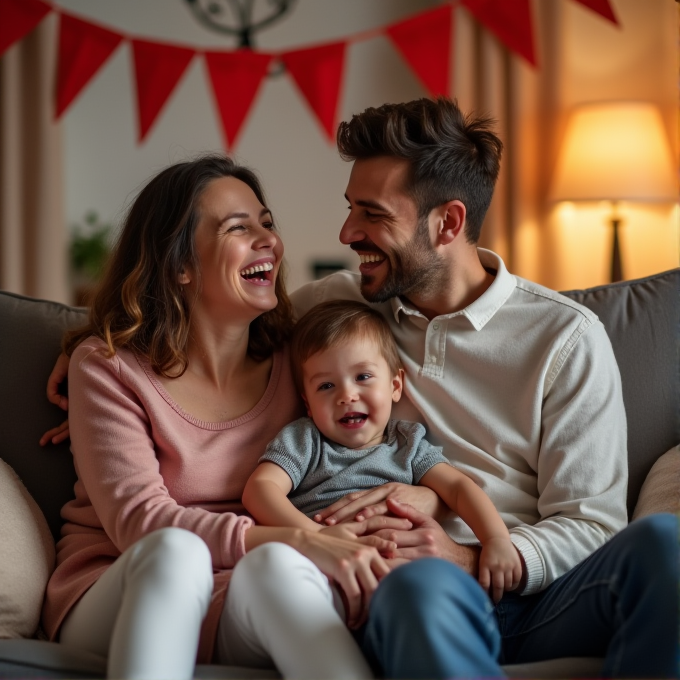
280,608
145,613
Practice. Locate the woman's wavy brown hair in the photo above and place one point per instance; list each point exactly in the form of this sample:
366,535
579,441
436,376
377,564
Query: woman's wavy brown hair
140,304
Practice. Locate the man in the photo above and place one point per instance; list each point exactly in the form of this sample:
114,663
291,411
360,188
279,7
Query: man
521,388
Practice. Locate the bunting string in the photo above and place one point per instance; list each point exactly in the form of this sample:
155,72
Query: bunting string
424,41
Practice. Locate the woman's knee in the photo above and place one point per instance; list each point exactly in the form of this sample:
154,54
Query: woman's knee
269,563
275,571
175,556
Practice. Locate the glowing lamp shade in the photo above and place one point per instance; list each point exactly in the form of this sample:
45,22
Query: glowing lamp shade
617,152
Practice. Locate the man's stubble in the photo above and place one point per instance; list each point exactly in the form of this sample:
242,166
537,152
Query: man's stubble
415,270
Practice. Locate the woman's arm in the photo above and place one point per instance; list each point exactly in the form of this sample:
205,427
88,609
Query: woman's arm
265,498
500,567
118,469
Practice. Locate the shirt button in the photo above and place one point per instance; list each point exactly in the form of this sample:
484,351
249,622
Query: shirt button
436,327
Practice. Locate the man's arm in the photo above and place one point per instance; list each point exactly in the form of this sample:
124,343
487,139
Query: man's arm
582,462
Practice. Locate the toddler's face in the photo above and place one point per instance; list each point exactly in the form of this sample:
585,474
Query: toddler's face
349,392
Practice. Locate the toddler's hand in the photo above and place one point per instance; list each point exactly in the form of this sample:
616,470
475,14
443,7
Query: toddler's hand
500,567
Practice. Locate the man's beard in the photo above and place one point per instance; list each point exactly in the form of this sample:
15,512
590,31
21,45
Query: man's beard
415,269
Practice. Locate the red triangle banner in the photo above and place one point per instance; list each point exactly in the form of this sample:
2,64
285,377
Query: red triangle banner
602,7
509,21
425,42
235,78
318,73
158,68
19,17
83,49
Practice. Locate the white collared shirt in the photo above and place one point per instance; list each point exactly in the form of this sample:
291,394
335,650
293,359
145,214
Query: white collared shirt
522,391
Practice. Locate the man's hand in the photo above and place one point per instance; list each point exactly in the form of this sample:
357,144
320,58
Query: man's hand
427,539
59,373
363,505
366,532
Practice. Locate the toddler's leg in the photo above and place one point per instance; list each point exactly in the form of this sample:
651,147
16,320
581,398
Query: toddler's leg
280,608
145,612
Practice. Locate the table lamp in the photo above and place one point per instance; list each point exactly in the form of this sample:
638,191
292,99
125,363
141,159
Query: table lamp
615,151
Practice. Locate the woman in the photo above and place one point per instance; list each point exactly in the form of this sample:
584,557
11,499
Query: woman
176,384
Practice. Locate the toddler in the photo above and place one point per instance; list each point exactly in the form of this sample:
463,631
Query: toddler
346,366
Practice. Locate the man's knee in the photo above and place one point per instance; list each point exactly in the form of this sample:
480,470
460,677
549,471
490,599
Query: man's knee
421,588
431,619
653,545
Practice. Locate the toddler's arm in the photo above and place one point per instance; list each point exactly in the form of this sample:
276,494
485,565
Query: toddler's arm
500,567
265,498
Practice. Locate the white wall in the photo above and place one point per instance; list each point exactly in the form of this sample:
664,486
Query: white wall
302,173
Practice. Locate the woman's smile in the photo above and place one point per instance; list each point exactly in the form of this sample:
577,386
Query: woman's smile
259,273
239,250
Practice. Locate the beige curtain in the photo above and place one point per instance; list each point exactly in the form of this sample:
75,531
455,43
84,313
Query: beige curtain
33,237
489,79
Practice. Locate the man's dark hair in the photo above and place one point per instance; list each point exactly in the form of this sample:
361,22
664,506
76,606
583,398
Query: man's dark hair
451,156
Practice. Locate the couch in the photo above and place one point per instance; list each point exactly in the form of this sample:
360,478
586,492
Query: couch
642,318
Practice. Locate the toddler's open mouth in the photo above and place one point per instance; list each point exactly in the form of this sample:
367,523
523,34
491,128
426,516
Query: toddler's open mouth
353,418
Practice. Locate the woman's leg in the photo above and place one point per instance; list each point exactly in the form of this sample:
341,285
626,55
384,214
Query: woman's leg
145,612
280,608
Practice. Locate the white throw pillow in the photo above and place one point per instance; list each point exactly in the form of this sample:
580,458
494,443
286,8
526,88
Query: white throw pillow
661,489
26,557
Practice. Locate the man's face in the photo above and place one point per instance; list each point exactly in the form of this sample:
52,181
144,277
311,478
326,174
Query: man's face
395,246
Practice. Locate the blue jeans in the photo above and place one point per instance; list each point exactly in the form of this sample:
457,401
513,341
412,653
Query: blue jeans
429,619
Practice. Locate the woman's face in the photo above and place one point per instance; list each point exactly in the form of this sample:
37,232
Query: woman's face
239,252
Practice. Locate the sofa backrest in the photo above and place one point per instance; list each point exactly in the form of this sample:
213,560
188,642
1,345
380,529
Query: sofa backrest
30,339
642,318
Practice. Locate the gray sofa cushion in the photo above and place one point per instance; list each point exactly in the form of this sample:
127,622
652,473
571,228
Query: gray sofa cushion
30,342
642,318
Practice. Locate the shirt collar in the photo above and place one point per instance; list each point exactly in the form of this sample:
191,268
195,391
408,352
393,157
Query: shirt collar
485,306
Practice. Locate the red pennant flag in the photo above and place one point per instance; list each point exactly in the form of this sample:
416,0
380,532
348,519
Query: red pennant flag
19,17
83,49
236,78
602,7
318,73
510,21
425,43
158,68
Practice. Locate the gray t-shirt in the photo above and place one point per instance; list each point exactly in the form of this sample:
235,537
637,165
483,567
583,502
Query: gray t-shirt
323,472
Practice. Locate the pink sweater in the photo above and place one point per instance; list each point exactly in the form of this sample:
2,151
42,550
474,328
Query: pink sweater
143,463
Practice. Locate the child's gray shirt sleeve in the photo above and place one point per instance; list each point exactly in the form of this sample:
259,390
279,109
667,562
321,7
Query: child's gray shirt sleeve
424,456
292,449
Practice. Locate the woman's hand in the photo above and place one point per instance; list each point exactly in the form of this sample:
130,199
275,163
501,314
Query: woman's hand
363,505
59,373
350,555
366,532
355,567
